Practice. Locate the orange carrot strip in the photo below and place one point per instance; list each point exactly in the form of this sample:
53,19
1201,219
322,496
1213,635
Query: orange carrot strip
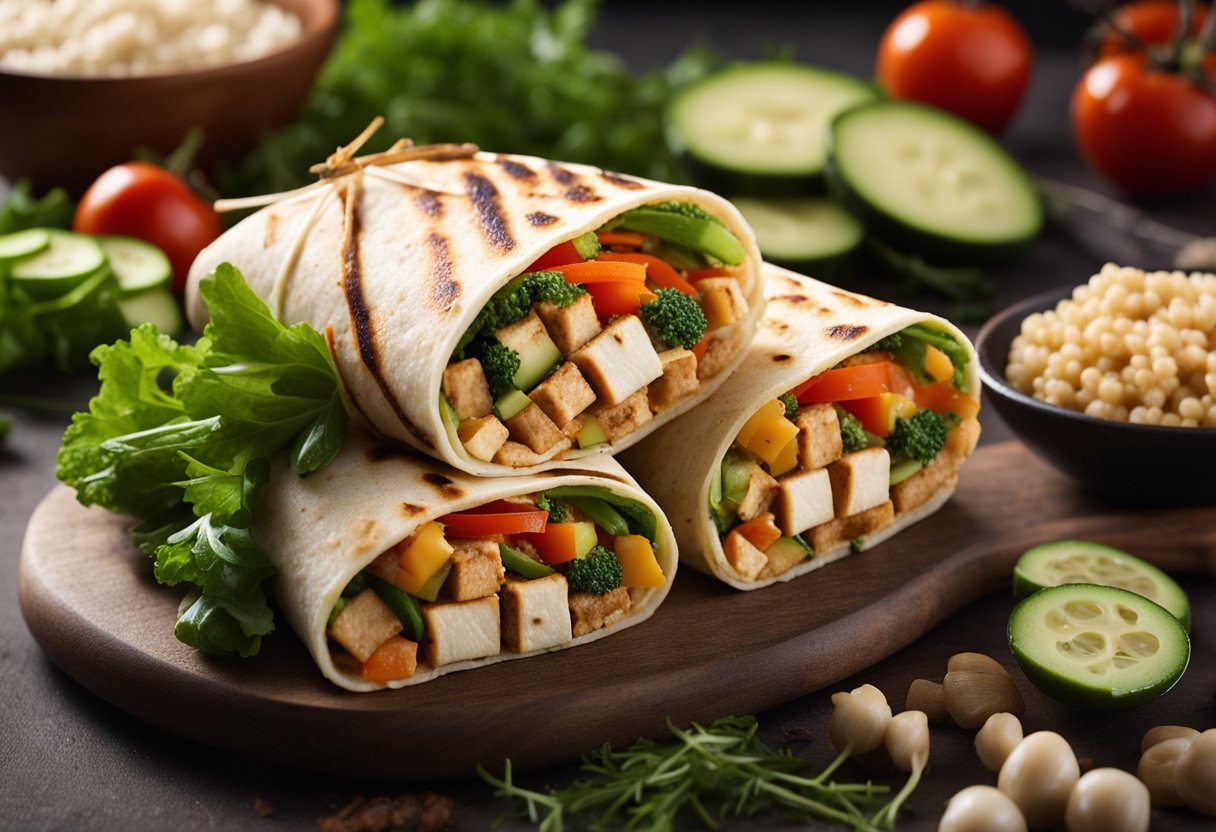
602,271
699,348
714,271
660,273
397,658
620,238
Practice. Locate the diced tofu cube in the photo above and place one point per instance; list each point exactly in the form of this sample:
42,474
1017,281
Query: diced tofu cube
515,455
805,500
825,537
483,436
476,570
590,612
679,379
917,489
461,630
761,489
618,421
722,301
819,440
537,352
619,360
570,326
563,395
535,614
572,428
533,428
466,389
747,560
860,480
364,624
718,353
962,440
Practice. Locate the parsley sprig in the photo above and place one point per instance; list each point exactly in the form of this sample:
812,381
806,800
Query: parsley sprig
182,436
709,773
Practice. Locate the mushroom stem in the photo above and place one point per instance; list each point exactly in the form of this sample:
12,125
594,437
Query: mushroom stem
885,817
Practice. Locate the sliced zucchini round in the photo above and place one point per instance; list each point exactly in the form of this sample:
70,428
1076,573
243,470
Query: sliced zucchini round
67,261
155,306
760,128
931,183
137,265
23,243
814,233
1086,562
1098,646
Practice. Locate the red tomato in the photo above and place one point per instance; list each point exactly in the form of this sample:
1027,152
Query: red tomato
504,520
142,200
561,254
1149,131
971,60
1151,21
858,382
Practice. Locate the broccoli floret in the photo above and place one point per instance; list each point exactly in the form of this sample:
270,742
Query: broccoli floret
558,513
550,286
852,435
686,209
676,318
921,437
791,405
600,572
891,343
500,364
512,303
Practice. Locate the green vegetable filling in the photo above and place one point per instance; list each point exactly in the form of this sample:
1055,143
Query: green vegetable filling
853,437
514,301
598,573
675,318
920,437
791,405
500,365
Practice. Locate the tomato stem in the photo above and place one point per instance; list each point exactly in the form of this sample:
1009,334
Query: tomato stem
1186,16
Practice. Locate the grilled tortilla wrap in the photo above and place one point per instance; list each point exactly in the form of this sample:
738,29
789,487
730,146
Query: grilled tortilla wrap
395,262
834,502
323,530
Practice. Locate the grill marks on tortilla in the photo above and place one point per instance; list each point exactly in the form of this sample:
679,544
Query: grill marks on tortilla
575,190
484,196
429,204
360,317
539,219
517,170
782,357
442,484
581,194
444,288
846,332
561,175
621,181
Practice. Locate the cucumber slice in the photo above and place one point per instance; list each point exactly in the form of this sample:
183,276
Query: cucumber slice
811,232
522,565
23,243
759,128
510,403
592,433
154,306
67,261
1098,646
137,265
1084,562
931,183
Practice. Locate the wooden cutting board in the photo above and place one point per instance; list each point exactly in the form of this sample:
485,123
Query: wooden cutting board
90,600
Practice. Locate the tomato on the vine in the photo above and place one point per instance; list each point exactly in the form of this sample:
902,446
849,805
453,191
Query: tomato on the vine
971,59
1152,22
138,199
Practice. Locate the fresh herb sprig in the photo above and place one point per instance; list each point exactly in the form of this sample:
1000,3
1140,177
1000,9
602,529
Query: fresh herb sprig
709,773
190,456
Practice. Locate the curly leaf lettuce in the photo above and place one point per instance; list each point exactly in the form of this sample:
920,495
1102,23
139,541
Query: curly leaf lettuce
182,436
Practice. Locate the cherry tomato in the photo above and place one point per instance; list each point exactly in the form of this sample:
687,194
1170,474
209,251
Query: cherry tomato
141,200
1149,131
1153,22
971,60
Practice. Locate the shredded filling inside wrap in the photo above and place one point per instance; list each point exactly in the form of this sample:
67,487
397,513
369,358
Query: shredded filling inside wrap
839,456
518,575
599,335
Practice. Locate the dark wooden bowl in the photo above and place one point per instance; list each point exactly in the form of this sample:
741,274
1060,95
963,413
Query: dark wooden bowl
66,130
1121,462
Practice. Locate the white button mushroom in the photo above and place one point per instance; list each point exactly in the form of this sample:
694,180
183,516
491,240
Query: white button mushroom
1108,800
1158,767
927,696
1165,732
1195,776
1038,776
976,687
996,740
981,809
859,720
907,740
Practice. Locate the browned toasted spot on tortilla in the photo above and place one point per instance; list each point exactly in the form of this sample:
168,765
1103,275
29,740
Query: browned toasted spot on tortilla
516,170
561,174
793,299
851,300
621,181
581,193
782,357
360,534
271,231
429,204
382,452
846,332
409,509
540,218
443,484
484,196
444,289
342,380
361,322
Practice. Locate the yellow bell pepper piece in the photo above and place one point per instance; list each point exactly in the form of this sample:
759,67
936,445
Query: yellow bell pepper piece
638,564
421,556
786,460
771,437
770,410
937,364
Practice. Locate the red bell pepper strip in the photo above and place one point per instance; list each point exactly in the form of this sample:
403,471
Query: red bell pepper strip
561,254
857,382
498,517
619,298
761,531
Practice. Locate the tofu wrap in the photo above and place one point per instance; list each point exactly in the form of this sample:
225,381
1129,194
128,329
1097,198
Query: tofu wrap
395,569
846,422
506,314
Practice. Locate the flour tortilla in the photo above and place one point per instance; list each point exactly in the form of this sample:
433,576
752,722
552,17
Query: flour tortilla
808,327
321,530
423,259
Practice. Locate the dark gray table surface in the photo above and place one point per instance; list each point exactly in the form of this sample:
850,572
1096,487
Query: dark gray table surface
68,760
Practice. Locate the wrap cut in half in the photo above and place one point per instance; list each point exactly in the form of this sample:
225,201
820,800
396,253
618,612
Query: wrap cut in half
506,314
394,569
846,422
